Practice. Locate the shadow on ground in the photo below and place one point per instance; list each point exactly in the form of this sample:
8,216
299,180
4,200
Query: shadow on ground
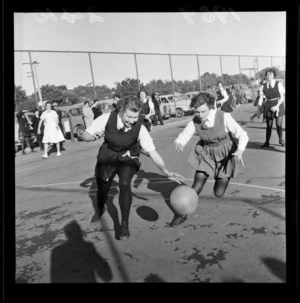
276,267
76,260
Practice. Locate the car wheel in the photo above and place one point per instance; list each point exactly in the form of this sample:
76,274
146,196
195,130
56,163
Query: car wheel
179,112
79,130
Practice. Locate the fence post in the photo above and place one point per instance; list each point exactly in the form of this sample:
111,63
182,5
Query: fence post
91,66
199,75
172,83
271,61
221,70
32,73
240,67
137,71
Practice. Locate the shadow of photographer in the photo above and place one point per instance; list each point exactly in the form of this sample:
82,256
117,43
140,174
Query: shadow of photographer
76,260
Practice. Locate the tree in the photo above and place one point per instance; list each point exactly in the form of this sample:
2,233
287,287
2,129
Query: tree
68,98
128,87
20,95
51,93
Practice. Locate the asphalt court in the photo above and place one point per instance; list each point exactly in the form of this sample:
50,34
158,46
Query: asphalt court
238,238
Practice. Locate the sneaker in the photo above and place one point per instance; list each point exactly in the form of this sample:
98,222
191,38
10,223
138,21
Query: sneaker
45,156
179,219
124,233
58,154
266,144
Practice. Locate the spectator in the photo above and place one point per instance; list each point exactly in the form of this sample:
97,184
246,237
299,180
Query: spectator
96,109
35,124
147,110
24,129
88,114
52,131
222,97
58,111
157,110
116,100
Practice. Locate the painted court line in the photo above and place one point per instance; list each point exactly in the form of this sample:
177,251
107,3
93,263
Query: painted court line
158,179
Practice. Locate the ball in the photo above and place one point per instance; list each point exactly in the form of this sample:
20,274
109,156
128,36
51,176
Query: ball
27,150
184,199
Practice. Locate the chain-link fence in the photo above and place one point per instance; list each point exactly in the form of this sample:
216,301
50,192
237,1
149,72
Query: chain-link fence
34,68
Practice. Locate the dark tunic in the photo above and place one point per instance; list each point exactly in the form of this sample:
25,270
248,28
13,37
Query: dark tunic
145,111
117,143
272,97
23,124
213,153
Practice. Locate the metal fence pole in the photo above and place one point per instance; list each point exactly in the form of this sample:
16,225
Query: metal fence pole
271,61
240,68
137,71
221,69
199,75
257,68
91,66
172,83
32,73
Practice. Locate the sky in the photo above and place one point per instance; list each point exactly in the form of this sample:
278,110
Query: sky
228,33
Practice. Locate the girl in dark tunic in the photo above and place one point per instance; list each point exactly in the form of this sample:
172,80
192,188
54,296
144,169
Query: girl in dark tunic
24,129
273,91
119,154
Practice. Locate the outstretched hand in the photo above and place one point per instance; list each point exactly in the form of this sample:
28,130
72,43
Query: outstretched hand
97,135
238,154
175,177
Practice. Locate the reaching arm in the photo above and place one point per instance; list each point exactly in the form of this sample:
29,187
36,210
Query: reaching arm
185,136
158,160
96,129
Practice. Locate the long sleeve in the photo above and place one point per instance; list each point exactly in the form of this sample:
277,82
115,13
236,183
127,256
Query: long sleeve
232,126
98,125
185,136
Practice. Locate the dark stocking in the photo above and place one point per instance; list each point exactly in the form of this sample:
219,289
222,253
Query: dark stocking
221,186
199,181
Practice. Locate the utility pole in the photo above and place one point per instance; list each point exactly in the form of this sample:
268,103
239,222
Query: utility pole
30,63
37,82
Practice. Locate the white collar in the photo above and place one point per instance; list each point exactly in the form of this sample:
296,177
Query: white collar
211,115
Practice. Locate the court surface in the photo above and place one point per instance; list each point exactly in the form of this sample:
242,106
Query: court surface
238,238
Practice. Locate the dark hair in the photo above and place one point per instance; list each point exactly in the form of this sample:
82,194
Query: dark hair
220,82
139,93
95,100
271,70
48,102
131,102
202,98
85,102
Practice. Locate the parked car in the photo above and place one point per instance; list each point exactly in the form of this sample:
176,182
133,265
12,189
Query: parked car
75,114
179,104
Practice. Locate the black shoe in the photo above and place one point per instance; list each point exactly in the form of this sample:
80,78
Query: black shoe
97,216
265,145
124,233
281,142
178,220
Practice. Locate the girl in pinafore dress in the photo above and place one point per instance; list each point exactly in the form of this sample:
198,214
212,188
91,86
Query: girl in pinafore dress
120,154
273,91
216,154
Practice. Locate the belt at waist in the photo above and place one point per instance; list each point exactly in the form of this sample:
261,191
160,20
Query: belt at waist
215,144
272,99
